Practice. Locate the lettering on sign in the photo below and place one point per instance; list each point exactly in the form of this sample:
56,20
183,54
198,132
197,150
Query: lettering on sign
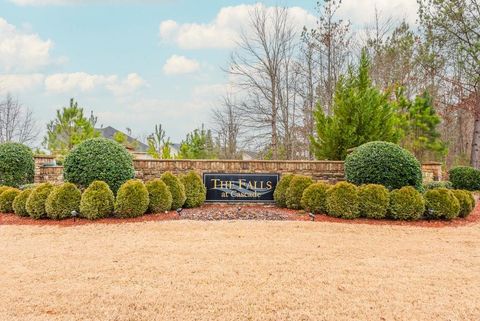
234,188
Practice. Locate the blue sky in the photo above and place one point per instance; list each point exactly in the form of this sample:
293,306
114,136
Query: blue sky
136,63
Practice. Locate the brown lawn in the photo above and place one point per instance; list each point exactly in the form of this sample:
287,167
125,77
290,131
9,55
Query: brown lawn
251,270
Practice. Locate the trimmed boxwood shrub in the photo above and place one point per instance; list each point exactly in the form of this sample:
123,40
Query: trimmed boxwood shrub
7,198
3,189
195,191
280,193
295,191
62,201
383,163
37,199
314,198
440,184
343,201
467,202
97,201
464,177
99,159
374,201
406,203
176,188
441,203
17,166
160,198
20,203
132,199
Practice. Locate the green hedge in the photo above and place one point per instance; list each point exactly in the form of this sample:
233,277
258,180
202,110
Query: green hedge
314,198
176,188
295,191
37,199
343,201
132,199
62,201
441,203
7,198
383,163
159,196
463,177
406,203
440,184
20,203
97,201
374,201
99,159
280,193
467,202
195,190
17,166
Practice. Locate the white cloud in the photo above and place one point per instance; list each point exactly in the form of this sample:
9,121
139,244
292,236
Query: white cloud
21,50
361,12
224,30
80,2
15,83
81,81
178,65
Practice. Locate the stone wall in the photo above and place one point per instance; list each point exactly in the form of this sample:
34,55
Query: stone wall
331,171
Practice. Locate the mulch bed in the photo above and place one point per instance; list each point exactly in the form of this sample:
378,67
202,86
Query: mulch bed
214,212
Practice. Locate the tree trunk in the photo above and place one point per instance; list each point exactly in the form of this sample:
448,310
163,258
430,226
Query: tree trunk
475,157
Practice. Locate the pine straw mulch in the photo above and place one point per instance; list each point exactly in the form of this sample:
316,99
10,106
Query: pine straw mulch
214,212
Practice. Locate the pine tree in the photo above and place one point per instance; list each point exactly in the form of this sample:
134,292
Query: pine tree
361,113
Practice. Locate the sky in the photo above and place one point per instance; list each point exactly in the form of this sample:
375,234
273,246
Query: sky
137,63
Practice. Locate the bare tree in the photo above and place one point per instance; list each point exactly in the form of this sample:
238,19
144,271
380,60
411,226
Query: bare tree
16,122
227,126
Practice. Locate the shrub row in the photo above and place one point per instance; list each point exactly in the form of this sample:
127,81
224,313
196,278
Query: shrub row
134,198
346,200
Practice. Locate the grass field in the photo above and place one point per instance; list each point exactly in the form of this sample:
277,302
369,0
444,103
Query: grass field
252,270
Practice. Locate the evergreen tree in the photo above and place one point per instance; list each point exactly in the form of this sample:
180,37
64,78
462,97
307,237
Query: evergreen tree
198,145
361,113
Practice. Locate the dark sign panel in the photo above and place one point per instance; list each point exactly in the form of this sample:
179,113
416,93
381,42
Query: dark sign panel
240,187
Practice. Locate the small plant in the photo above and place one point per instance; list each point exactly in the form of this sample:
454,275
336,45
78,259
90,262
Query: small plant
3,189
441,203
20,203
343,201
314,198
97,201
62,201
176,188
7,198
195,191
406,203
374,201
298,184
132,199
17,166
467,202
159,196
37,199
464,177
435,185
280,194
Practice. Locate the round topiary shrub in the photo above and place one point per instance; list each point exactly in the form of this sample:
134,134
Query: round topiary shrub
17,166
280,193
406,203
374,201
383,163
37,199
294,194
97,201
99,159
20,203
62,201
132,199
160,198
195,191
467,202
7,198
464,177
176,188
441,203
314,198
3,189
343,201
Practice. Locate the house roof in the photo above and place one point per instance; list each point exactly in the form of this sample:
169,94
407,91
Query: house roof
109,132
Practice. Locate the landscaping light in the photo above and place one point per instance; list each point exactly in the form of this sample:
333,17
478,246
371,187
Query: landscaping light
74,215
179,210
312,216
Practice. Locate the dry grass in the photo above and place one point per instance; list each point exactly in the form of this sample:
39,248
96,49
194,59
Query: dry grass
183,270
